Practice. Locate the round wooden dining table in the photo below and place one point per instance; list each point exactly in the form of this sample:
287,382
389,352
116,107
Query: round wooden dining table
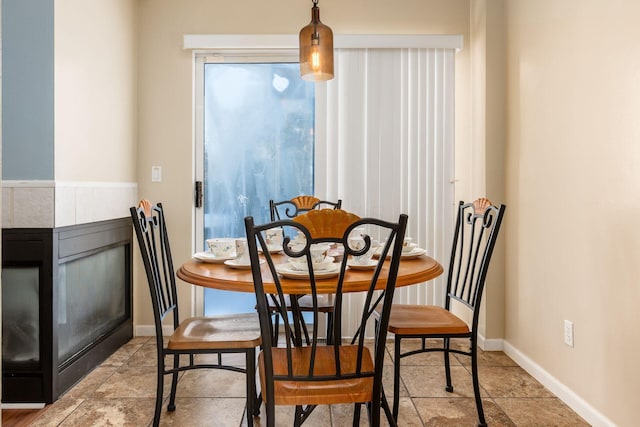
220,276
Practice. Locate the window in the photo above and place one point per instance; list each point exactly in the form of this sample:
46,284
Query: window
258,144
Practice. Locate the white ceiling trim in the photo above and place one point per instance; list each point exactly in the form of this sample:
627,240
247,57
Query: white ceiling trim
340,41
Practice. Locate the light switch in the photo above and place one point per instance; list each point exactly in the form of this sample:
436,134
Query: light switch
156,173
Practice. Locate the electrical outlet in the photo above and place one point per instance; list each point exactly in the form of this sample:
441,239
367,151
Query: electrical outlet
568,333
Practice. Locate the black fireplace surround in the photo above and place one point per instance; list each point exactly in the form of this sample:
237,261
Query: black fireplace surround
66,305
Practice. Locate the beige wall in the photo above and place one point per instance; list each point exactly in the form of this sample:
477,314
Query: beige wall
165,74
485,155
95,90
573,185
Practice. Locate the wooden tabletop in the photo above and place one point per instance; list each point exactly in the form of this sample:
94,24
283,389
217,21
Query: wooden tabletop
219,276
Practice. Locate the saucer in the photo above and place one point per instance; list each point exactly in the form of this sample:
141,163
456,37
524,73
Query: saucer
327,264
356,266
211,258
234,263
413,253
285,270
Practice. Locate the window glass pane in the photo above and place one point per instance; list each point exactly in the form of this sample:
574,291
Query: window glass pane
258,145
258,137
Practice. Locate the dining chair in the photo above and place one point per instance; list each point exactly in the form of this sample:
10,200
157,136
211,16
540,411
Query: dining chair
217,335
475,234
347,371
288,209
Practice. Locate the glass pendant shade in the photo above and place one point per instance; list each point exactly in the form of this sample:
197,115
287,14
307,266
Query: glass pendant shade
316,49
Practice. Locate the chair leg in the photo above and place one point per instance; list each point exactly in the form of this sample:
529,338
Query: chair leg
159,390
447,366
356,414
329,327
374,412
297,421
174,382
476,385
275,329
250,361
271,414
384,404
305,331
396,377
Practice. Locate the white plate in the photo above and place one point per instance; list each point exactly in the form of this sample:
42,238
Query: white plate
369,266
234,263
413,253
287,271
209,257
272,249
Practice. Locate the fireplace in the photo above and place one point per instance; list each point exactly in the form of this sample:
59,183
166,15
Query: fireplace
66,305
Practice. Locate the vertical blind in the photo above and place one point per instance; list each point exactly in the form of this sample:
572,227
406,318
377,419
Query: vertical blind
385,146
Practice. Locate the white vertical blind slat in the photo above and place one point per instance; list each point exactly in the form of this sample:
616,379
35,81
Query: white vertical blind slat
387,148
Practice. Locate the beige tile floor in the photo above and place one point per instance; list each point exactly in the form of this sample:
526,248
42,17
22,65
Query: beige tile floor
121,391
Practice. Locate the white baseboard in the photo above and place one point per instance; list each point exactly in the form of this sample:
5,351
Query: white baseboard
22,405
150,330
491,344
564,393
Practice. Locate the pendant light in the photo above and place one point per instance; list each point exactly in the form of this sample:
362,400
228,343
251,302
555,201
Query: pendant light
316,49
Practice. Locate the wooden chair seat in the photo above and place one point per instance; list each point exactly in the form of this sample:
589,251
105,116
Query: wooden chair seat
216,332
320,392
407,319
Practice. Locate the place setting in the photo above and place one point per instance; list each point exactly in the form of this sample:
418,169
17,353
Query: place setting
324,266
220,250
231,252
410,250
364,261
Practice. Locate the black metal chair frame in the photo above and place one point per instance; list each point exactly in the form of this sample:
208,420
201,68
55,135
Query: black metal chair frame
154,246
382,301
292,210
467,272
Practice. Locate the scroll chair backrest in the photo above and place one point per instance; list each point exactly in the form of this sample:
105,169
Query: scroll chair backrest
318,227
475,234
151,231
288,209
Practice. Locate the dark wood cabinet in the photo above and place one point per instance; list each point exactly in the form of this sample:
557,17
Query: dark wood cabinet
66,305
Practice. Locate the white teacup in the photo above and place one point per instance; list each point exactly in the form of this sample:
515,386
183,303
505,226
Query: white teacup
299,239
221,247
319,252
357,232
358,243
408,245
242,251
273,237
